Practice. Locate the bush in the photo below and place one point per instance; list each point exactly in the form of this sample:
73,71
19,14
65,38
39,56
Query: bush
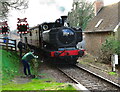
35,64
109,47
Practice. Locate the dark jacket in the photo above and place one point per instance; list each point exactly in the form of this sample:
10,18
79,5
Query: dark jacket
20,45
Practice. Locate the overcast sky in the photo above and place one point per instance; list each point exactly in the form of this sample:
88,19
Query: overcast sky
44,10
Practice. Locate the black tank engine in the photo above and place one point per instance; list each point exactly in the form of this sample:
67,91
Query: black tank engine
56,40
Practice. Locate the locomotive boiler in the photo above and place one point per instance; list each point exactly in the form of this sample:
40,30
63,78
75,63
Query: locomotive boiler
55,40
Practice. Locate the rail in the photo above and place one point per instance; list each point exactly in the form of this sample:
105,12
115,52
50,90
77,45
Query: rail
8,44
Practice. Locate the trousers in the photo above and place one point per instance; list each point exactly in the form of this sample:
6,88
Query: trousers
26,67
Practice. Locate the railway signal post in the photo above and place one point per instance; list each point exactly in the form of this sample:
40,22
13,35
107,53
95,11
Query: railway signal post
22,26
4,28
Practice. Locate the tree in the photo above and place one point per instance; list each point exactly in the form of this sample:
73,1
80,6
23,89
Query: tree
6,5
81,13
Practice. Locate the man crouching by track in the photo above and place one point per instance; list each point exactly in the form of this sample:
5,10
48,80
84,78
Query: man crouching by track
25,60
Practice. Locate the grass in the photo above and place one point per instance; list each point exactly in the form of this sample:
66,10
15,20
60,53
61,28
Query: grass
9,61
0,70
10,65
112,73
37,84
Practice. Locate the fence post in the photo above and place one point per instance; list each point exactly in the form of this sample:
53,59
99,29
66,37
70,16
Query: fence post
7,44
15,46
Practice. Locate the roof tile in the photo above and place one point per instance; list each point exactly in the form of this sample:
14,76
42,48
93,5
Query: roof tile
110,17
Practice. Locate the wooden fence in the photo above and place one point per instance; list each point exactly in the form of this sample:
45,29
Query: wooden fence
8,44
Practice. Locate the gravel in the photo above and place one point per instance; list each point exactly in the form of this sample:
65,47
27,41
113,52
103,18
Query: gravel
52,73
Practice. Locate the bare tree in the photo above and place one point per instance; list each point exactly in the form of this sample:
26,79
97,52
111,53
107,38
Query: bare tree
81,13
6,5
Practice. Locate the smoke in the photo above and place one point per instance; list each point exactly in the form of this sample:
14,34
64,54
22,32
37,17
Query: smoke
54,3
47,2
61,8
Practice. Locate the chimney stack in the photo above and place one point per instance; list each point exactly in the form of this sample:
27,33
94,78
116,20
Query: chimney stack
98,4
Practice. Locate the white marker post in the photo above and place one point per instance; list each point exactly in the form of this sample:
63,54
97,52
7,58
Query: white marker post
114,59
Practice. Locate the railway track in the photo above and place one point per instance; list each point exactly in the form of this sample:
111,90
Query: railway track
77,83
90,80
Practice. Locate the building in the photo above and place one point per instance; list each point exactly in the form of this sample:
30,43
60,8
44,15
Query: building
105,23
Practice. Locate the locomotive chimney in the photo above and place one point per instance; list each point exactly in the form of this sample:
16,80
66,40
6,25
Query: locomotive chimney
98,4
64,18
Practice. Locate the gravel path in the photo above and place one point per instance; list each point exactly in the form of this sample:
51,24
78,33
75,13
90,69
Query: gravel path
45,72
51,72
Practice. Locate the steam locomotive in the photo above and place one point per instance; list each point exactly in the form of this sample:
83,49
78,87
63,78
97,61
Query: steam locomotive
55,40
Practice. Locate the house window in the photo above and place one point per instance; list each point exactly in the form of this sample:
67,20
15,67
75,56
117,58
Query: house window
99,22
